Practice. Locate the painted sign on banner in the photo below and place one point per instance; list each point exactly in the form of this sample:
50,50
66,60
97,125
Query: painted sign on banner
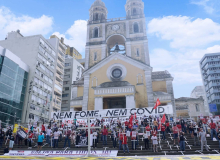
22,133
168,109
80,153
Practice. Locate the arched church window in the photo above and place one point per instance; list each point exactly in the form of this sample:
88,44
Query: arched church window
95,56
139,79
96,16
96,33
94,82
137,52
134,11
136,28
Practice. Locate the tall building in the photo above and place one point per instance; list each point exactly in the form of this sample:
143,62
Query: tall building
199,91
117,63
41,57
210,71
58,86
73,52
72,72
13,84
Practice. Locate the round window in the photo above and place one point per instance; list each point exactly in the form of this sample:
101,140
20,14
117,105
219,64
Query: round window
116,73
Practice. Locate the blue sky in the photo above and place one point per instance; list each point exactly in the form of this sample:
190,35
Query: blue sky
180,32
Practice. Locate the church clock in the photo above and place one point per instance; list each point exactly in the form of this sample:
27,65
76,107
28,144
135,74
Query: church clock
115,27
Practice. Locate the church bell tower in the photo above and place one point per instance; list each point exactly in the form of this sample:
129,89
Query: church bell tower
125,35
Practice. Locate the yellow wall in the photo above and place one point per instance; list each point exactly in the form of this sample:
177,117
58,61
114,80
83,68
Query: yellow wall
131,77
159,86
80,91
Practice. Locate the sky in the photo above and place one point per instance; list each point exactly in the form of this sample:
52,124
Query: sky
179,32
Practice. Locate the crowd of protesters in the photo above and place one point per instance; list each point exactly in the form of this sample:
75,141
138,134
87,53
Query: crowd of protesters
132,129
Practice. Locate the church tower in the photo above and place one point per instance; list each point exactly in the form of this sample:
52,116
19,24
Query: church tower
117,64
126,35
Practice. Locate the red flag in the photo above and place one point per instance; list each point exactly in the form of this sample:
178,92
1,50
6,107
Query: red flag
157,103
163,119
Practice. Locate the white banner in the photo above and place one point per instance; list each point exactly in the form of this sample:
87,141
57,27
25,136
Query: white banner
168,109
80,153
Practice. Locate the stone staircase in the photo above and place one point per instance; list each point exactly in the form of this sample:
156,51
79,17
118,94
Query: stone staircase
166,147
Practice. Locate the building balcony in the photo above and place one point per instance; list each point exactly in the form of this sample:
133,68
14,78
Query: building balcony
213,78
212,71
60,70
78,101
208,60
162,96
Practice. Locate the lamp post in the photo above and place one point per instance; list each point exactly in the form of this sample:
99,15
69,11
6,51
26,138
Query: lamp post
28,104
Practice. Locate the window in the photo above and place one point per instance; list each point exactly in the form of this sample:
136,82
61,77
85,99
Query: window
67,70
67,88
65,95
67,76
95,56
134,11
136,28
65,101
138,54
116,73
67,64
65,82
197,108
96,16
96,32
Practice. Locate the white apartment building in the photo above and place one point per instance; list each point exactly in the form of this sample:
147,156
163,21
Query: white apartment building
41,57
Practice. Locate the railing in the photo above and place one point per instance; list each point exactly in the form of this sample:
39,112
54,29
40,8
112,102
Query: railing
76,103
162,97
107,20
116,90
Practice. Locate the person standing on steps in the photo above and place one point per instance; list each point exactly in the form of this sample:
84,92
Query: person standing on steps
40,141
219,138
202,136
213,131
154,142
182,141
175,133
125,143
146,140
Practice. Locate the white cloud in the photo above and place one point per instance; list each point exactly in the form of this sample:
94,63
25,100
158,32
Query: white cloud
208,7
185,31
26,24
183,66
75,36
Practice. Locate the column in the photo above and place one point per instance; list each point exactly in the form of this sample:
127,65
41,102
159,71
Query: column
146,52
128,48
104,50
127,29
86,93
130,101
149,88
169,85
103,31
87,58
98,103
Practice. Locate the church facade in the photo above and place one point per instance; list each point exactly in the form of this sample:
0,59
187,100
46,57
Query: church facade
118,73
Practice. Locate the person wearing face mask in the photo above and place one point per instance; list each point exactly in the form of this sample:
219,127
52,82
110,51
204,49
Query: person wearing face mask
40,141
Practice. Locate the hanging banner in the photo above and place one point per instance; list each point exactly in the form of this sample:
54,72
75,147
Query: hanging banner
168,109
80,153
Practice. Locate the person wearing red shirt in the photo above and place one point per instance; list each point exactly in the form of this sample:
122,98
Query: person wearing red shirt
30,136
130,127
179,126
104,135
125,143
120,136
213,131
175,133
43,128
126,124
168,127
163,131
